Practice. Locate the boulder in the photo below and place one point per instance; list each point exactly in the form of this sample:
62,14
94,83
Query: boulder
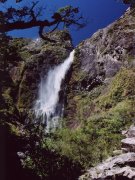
119,167
129,144
131,132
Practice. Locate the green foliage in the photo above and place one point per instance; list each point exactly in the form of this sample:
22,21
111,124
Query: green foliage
8,103
102,114
13,129
97,139
99,116
122,87
70,12
28,163
8,52
18,43
45,162
31,15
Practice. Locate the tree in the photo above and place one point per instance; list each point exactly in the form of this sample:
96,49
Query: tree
32,16
130,2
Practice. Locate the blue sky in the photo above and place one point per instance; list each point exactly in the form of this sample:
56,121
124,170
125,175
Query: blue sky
99,13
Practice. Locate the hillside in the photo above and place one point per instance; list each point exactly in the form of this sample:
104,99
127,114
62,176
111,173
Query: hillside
98,96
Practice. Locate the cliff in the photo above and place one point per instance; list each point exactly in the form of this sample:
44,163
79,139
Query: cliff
106,62
23,63
109,52
98,94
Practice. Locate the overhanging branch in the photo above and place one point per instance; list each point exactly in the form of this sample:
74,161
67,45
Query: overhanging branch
27,17
25,25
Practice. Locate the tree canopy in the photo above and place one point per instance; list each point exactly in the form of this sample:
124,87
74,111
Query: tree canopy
131,2
28,16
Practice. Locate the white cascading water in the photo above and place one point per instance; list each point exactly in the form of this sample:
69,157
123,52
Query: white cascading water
45,107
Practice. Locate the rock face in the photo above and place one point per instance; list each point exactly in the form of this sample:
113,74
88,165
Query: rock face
109,49
98,59
99,104
117,167
100,63
128,144
38,57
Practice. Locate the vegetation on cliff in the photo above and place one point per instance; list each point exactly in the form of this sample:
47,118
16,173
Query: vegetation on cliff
99,102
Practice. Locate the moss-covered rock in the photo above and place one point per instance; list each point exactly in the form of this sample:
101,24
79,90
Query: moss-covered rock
45,55
121,88
100,92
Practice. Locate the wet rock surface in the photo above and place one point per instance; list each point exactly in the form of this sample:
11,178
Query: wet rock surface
38,57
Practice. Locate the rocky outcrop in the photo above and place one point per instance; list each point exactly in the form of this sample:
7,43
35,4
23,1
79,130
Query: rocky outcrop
109,49
128,144
117,167
34,59
99,104
99,58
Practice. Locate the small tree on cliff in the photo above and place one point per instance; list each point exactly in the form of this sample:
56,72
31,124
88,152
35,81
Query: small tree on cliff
28,16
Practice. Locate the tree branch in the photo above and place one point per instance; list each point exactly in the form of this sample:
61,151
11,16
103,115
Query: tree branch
27,17
25,25
43,36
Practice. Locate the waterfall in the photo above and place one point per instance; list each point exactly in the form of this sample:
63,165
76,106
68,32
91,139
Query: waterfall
46,107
